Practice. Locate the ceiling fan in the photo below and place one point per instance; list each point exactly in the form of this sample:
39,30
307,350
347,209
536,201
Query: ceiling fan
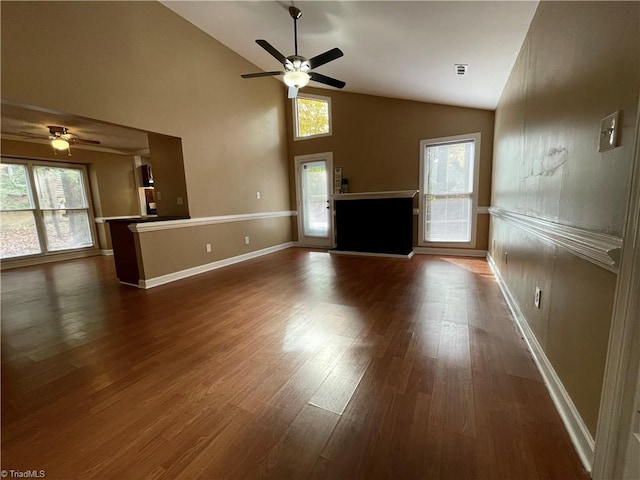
61,138
297,69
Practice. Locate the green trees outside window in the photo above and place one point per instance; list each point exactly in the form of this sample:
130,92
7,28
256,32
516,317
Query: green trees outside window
56,218
312,116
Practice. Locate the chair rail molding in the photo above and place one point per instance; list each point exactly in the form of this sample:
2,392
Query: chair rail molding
197,222
598,248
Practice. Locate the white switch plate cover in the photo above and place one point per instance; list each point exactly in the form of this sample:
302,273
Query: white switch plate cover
609,127
208,247
246,240
538,296
258,195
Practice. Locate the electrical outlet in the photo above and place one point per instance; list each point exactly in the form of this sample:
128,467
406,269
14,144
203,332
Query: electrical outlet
179,201
208,247
258,195
246,240
158,195
537,298
506,257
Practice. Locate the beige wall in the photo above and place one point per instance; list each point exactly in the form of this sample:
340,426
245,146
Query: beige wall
168,174
227,240
376,140
138,64
111,178
579,63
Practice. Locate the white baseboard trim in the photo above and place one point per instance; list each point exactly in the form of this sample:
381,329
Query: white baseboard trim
580,436
49,258
189,272
455,252
370,254
106,252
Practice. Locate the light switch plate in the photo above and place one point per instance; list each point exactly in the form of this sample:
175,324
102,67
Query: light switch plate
609,127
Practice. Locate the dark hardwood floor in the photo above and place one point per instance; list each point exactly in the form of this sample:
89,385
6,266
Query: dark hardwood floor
294,365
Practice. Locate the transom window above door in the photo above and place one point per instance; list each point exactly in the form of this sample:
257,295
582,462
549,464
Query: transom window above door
311,116
448,190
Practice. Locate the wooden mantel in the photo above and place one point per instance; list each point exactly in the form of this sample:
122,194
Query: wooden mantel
375,195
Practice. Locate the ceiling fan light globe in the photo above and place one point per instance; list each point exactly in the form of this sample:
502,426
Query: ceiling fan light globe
296,79
59,144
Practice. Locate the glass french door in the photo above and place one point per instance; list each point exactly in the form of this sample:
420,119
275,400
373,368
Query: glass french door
313,188
44,208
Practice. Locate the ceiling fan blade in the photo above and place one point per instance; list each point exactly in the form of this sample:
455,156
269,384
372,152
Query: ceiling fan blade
32,135
325,57
84,141
293,92
261,74
272,50
318,77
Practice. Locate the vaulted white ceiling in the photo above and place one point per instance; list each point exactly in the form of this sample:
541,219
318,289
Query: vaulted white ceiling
391,48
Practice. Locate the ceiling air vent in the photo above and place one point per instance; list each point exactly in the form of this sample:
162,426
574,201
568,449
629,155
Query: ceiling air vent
461,68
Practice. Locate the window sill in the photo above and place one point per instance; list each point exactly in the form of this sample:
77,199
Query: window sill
310,137
471,244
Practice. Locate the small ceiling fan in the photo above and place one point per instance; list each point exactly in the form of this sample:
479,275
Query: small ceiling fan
61,138
297,69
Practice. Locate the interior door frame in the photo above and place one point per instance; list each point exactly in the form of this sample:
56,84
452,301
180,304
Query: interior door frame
622,370
298,161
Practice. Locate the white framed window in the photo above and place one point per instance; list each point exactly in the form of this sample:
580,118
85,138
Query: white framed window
449,171
44,208
311,116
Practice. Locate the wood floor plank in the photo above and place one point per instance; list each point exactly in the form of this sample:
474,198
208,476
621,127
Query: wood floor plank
324,469
292,365
297,451
453,406
336,390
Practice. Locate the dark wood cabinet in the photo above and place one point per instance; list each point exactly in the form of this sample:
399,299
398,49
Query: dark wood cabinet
124,251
